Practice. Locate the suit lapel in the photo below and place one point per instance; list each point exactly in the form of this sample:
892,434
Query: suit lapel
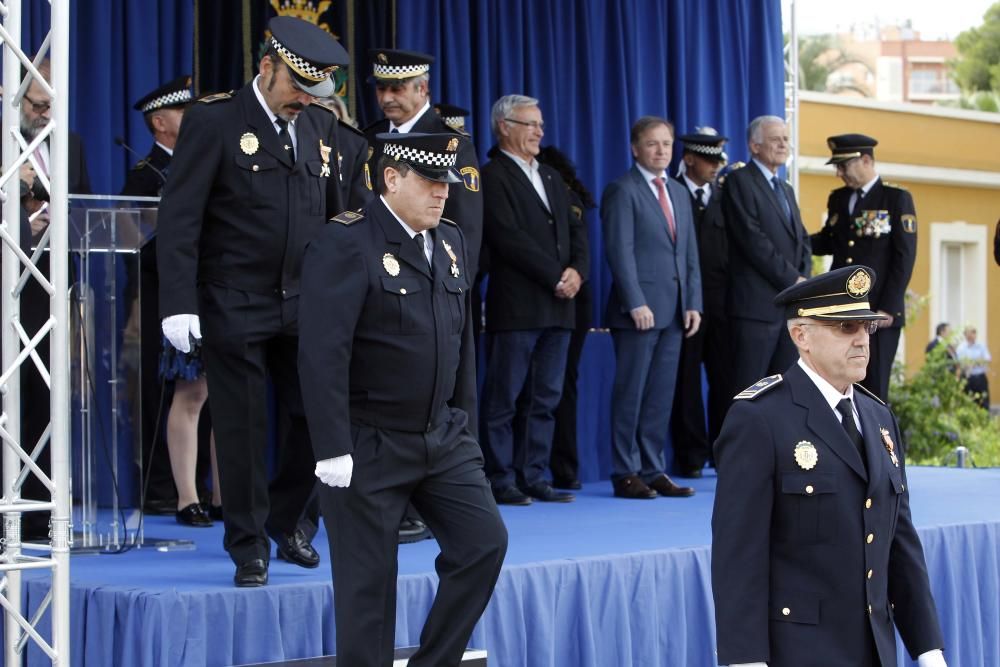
871,430
264,128
651,202
765,186
406,248
521,179
822,421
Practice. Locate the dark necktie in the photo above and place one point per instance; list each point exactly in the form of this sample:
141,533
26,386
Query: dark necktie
847,421
394,131
699,194
857,202
780,191
419,240
285,137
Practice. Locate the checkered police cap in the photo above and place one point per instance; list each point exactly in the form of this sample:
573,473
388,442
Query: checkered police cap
300,65
311,53
396,64
418,156
433,156
176,93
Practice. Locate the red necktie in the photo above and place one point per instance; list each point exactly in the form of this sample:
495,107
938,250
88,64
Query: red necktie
661,190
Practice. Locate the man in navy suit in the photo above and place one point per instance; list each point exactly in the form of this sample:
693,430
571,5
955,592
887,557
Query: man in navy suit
814,556
768,251
652,249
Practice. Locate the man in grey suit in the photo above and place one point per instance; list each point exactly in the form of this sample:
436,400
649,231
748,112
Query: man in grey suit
652,249
769,250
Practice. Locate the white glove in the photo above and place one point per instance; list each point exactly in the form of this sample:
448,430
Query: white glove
336,471
179,328
933,658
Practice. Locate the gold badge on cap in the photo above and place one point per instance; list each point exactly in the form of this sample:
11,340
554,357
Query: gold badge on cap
806,455
859,283
889,446
454,260
390,264
452,145
249,143
324,153
382,59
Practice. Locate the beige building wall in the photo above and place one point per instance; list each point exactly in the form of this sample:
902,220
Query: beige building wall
949,160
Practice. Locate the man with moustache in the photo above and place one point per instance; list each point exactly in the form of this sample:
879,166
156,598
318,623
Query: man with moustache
871,222
255,175
815,560
768,251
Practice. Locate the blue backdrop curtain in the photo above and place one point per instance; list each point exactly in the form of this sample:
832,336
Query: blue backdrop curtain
598,65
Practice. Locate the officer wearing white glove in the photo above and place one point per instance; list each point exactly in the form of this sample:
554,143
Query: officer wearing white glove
179,329
336,471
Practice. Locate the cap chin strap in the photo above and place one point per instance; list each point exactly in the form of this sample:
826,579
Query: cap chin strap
830,310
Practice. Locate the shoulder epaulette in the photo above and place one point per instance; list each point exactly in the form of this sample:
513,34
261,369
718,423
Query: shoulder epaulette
326,106
208,99
759,387
868,392
731,169
449,222
348,217
893,185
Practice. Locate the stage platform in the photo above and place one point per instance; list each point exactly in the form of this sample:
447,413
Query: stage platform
600,582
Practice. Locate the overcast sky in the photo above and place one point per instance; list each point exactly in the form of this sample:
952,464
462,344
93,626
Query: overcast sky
934,20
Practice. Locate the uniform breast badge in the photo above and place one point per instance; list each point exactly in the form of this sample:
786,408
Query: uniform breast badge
890,447
324,153
806,455
249,143
454,260
390,264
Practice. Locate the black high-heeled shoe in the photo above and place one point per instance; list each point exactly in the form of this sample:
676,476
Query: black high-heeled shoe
193,515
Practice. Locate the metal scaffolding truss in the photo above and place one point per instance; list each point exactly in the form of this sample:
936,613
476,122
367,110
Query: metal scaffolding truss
21,348
792,94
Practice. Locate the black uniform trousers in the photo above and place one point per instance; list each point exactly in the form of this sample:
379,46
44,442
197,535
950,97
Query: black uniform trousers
882,350
441,472
249,338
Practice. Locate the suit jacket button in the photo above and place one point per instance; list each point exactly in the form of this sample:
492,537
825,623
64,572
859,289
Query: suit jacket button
256,168
870,573
786,611
868,503
870,538
850,243
850,260
402,290
809,488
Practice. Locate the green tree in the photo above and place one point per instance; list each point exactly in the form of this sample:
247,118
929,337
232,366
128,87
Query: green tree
978,66
819,57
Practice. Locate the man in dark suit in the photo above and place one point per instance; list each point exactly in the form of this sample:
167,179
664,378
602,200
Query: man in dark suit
768,251
402,87
655,301
162,110
871,222
814,555
388,379
255,176
538,260
703,157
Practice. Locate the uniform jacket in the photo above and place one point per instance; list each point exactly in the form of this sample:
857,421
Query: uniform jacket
465,202
649,268
766,254
807,562
383,340
530,246
710,228
235,211
143,180
888,245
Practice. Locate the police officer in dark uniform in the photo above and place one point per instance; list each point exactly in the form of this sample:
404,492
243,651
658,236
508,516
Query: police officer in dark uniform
162,110
255,176
402,80
873,223
815,560
388,381
703,157
402,87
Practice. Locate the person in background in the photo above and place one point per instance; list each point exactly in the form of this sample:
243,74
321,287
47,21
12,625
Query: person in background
974,358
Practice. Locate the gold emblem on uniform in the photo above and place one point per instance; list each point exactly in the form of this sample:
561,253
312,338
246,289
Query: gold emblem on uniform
452,145
324,153
390,264
889,446
832,220
249,143
454,260
859,283
909,223
382,59
806,455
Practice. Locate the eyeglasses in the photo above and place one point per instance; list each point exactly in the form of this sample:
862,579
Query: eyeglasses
38,107
848,327
533,124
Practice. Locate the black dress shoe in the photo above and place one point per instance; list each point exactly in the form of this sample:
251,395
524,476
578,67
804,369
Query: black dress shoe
251,574
413,530
510,495
633,487
665,486
570,484
193,515
215,512
545,493
295,548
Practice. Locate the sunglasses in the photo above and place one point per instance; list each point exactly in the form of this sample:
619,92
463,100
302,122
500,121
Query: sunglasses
848,327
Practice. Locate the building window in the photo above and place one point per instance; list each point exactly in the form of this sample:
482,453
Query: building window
958,275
